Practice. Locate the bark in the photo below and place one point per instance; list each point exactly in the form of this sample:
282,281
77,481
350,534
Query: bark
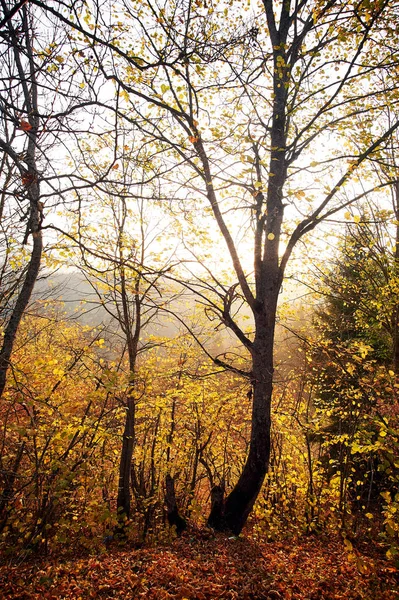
174,518
216,516
239,503
132,339
19,308
123,499
395,311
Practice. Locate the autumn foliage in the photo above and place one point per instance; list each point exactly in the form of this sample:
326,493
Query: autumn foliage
199,314
204,568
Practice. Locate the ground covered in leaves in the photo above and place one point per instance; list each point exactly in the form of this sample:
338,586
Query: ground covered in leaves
201,567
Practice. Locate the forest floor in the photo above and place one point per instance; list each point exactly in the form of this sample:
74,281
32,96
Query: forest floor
198,566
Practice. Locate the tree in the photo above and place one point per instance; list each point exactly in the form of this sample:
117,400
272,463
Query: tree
57,421
122,264
386,167
44,119
358,288
352,360
21,117
240,110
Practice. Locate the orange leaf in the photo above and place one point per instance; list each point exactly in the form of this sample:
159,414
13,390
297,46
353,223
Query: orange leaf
25,126
27,178
193,139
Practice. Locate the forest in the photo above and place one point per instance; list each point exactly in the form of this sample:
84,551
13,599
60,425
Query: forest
199,299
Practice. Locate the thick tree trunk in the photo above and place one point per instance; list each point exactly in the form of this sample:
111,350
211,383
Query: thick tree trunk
268,279
241,499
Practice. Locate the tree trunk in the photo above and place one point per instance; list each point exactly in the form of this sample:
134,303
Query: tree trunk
395,310
241,499
19,308
216,515
30,180
174,517
123,499
131,326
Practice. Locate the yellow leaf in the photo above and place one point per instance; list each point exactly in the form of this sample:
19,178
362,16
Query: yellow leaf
348,544
124,95
270,236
